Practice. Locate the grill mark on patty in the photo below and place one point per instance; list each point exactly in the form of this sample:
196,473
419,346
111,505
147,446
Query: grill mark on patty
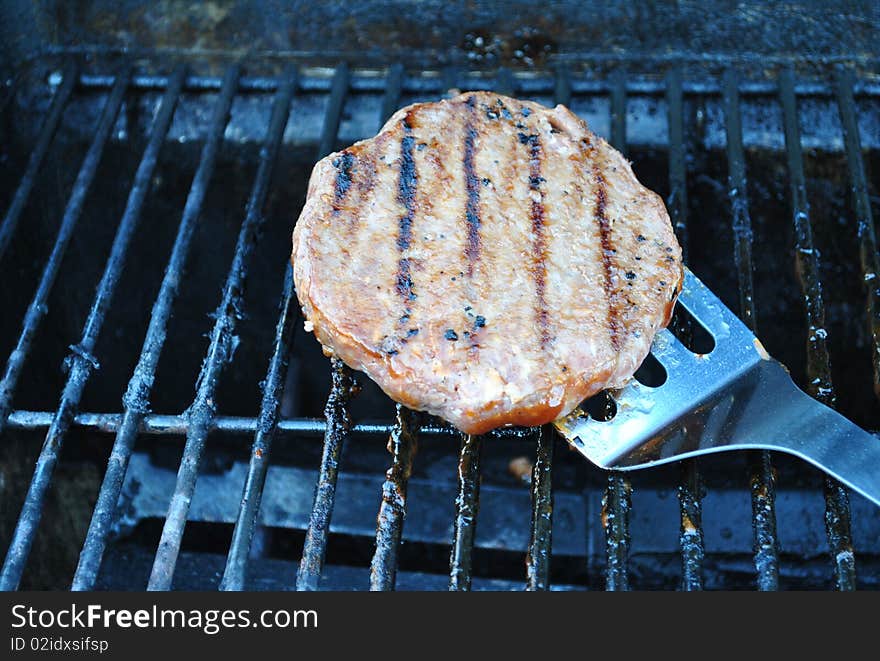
539,240
406,195
472,207
614,325
344,165
473,222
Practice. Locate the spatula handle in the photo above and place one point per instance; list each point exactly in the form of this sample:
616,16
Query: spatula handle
774,414
764,410
827,440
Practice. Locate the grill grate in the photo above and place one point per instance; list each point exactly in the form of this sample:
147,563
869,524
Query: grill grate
337,429
819,384
761,479
201,412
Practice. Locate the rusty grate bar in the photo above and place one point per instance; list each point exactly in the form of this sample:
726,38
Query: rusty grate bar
44,141
690,489
467,506
617,499
221,347
136,398
81,362
337,432
38,308
392,510
864,219
541,536
819,384
267,425
761,478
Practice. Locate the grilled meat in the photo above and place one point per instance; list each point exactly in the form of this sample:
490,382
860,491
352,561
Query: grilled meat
485,259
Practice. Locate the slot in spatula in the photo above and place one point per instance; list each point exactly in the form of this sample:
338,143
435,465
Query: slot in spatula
735,397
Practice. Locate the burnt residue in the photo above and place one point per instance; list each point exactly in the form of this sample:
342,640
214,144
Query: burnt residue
541,540
524,46
467,505
520,33
389,524
690,497
339,424
616,505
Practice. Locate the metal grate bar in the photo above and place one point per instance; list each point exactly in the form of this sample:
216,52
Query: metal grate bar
862,205
690,496
44,141
393,90
677,201
690,489
449,79
467,506
562,86
432,82
504,82
392,510
617,500
38,308
81,361
618,110
333,114
616,505
161,424
761,480
739,201
541,536
338,427
336,413
819,385
402,444
267,426
221,348
136,398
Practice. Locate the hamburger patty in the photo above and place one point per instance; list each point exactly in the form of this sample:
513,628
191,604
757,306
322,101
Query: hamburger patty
488,260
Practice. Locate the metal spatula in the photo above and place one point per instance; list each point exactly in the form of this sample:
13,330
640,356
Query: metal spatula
734,398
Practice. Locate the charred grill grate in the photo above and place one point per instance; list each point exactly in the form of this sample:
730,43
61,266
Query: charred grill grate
201,418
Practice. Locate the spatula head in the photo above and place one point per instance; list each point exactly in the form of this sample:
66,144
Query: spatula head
650,423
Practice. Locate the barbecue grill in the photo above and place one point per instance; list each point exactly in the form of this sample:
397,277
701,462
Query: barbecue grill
143,187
